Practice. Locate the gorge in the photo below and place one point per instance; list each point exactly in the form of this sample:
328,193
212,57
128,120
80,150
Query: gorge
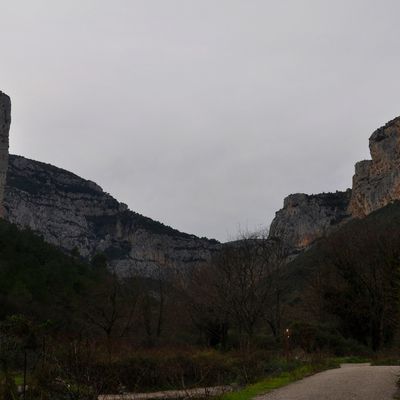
78,216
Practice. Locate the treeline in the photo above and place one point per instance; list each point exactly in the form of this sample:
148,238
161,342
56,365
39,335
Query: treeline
37,279
81,329
353,282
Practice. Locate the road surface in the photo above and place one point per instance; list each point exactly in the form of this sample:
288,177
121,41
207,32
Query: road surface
350,382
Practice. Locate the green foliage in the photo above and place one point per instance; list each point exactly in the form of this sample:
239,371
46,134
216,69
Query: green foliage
352,360
81,325
275,382
351,281
313,337
37,279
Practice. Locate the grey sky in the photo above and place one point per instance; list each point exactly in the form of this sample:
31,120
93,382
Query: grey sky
202,114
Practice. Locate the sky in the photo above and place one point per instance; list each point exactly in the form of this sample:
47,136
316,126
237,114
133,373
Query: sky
202,114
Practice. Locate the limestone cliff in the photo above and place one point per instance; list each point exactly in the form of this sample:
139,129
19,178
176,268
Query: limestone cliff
5,121
74,213
305,218
376,182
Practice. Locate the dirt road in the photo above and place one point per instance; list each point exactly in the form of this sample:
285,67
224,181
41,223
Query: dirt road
351,382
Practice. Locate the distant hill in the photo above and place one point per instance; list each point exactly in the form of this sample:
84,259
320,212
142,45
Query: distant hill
74,213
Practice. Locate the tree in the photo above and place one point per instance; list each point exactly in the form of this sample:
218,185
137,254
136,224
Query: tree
277,257
111,305
206,305
155,295
360,282
240,288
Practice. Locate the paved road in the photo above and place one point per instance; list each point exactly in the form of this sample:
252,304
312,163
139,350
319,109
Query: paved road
351,382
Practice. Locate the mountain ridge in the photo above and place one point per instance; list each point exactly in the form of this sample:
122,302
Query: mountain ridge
76,214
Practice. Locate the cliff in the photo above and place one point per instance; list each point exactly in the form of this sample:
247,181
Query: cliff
5,121
76,214
305,218
376,182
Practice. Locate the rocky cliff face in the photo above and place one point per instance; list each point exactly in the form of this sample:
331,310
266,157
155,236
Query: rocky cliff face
305,218
376,182
5,121
74,213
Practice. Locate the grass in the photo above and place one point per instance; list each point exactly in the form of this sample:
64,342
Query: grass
351,360
386,361
284,378
275,382
19,379
377,360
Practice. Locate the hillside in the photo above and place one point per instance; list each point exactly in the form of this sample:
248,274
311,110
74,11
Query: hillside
350,280
74,213
37,279
300,271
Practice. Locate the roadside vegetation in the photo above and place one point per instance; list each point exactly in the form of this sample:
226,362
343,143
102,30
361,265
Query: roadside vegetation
279,379
70,329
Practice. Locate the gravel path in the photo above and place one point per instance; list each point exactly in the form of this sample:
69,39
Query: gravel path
351,382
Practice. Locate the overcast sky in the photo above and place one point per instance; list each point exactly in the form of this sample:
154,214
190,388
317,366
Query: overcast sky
203,114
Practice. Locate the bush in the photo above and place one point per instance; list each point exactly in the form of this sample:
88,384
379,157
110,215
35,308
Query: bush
312,338
168,369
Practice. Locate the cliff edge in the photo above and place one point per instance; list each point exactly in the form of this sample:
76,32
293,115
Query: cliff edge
376,182
306,218
5,122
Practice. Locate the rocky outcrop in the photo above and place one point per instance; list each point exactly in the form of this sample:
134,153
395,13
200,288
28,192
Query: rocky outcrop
77,215
376,182
305,218
5,121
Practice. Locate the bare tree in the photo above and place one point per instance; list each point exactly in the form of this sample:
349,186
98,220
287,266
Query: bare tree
241,287
155,295
206,305
111,306
358,281
277,257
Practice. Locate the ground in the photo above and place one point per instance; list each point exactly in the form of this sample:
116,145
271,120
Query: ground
350,382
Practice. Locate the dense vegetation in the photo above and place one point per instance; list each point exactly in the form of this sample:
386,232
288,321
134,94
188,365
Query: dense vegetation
80,330
349,282
37,279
